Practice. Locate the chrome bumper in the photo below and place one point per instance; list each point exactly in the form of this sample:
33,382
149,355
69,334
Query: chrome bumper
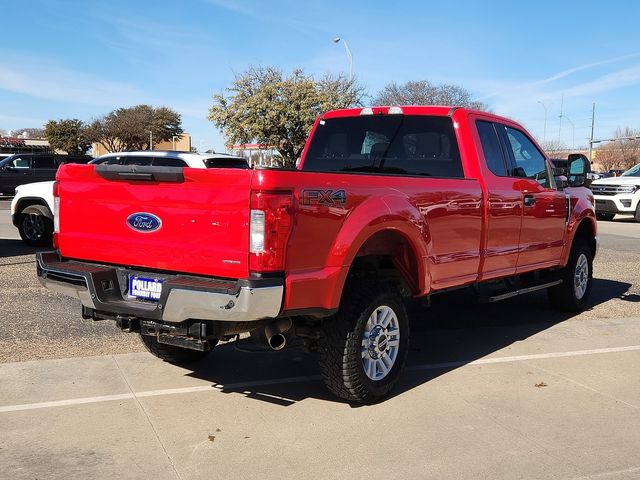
100,288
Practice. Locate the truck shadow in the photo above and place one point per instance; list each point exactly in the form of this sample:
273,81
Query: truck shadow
452,333
16,248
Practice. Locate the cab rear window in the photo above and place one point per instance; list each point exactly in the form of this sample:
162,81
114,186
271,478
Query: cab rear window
414,145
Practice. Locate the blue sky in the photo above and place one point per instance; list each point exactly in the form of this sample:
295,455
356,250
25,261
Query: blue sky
63,58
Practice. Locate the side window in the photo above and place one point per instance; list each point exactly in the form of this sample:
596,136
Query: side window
529,161
20,162
491,148
168,162
43,162
131,160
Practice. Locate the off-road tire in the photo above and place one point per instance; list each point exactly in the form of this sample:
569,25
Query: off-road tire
340,345
171,353
35,228
605,216
564,296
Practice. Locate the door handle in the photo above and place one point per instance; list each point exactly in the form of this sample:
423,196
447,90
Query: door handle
529,200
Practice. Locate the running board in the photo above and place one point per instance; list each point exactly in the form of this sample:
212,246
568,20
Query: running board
522,291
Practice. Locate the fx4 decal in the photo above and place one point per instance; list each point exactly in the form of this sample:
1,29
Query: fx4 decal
324,197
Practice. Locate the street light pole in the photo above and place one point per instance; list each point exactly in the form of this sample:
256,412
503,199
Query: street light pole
593,118
150,140
544,132
349,56
173,141
573,127
560,127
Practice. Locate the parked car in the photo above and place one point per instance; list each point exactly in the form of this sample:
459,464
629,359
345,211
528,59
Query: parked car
21,168
387,204
32,206
618,195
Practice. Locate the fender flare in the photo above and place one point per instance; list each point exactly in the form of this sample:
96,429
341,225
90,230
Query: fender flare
582,212
41,209
389,213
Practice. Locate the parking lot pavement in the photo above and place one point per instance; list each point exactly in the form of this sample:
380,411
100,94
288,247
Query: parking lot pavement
511,390
7,230
562,403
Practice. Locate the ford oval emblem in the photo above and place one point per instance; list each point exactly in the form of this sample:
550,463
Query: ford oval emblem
144,222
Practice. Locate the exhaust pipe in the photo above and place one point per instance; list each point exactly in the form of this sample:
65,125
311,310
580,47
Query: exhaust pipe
276,333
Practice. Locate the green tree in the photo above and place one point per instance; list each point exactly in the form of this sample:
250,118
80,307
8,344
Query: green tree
423,92
70,135
264,106
127,129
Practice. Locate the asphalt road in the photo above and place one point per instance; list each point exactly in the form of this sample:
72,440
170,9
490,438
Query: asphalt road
509,390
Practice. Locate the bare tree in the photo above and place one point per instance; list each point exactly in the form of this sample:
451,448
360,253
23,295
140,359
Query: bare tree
553,147
36,132
423,92
127,129
623,152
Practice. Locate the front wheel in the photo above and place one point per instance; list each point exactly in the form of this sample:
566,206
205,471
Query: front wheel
364,346
171,353
577,278
35,228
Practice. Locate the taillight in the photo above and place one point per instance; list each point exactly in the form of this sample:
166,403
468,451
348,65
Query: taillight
56,213
270,226
56,207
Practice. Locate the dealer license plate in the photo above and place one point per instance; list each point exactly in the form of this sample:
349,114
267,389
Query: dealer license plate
145,288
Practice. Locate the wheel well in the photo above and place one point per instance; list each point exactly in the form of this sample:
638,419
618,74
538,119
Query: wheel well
586,232
28,202
389,256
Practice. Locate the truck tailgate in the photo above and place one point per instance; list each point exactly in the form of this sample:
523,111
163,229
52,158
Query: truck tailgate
202,221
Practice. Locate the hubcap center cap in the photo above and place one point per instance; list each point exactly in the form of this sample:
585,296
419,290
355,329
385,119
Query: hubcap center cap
378,340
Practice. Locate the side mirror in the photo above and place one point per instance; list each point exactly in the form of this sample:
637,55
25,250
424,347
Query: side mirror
578,168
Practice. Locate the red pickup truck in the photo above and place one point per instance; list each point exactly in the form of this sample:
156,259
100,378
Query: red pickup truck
386,204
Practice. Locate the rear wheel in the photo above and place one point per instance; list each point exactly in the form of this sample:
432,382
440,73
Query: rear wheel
171,353
577,278
605,216
364,346
35,228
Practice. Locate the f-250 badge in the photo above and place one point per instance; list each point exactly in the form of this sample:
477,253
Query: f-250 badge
328,198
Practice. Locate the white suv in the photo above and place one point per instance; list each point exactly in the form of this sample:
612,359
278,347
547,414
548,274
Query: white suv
618,195
32,205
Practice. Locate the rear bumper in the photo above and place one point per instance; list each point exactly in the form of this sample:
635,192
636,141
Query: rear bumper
103,288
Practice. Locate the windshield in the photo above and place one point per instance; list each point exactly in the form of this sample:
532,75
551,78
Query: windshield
6,161
632,172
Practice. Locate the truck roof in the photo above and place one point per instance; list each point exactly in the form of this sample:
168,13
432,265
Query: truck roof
437,110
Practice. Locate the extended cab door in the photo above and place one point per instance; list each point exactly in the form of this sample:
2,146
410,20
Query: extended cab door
504,205
543,206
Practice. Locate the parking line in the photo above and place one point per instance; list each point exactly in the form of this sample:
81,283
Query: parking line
279,381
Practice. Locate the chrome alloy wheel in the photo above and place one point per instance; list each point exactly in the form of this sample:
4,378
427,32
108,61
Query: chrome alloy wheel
33,226
581,276
380,343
